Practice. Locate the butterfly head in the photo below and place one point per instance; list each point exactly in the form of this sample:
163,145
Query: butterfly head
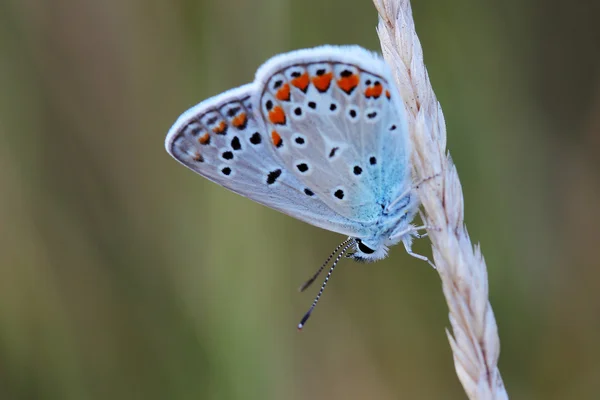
375,248
367,252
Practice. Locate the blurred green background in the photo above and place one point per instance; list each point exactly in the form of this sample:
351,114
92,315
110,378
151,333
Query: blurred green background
125,276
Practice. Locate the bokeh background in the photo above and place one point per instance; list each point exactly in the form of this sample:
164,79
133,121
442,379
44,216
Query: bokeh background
125,276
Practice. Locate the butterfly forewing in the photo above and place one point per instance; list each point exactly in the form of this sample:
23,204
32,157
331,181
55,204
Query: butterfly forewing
334,121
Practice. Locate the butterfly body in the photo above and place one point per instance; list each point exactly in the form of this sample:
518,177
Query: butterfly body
320,135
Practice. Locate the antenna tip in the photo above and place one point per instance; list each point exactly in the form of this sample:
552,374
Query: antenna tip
304,319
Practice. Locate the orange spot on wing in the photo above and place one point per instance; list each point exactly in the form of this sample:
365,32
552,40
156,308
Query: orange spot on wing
277,116
221,128
348,83
240,121
387,94
322,82
301,82
276,139
204,139
198,157
374,91
283,94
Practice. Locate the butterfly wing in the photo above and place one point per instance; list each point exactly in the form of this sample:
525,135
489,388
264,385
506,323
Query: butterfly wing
336,122
221,140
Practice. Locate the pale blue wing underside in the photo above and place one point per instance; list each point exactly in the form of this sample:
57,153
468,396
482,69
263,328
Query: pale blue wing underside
221,140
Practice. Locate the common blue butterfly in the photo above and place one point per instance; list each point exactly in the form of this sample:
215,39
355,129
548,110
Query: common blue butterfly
320,135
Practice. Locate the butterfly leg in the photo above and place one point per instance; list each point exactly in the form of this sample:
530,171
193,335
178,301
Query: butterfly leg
422,181
407,191
408,248
407,241
411,230
416,230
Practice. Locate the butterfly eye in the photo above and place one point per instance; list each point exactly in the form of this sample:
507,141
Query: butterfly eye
365,249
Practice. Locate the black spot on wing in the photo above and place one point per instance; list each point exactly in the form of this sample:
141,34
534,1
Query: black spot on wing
235,143
273,176
255,138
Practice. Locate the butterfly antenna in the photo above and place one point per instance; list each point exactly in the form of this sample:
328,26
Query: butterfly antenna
312,307
309,282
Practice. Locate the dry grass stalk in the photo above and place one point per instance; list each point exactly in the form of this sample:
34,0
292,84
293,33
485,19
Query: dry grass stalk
474,339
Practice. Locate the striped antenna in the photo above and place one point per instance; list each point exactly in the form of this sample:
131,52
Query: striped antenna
351,243
316,275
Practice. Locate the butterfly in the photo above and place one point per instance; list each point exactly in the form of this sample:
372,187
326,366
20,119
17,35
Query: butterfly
321,135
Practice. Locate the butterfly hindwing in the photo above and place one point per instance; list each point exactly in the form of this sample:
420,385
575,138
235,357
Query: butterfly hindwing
335,122
221,140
